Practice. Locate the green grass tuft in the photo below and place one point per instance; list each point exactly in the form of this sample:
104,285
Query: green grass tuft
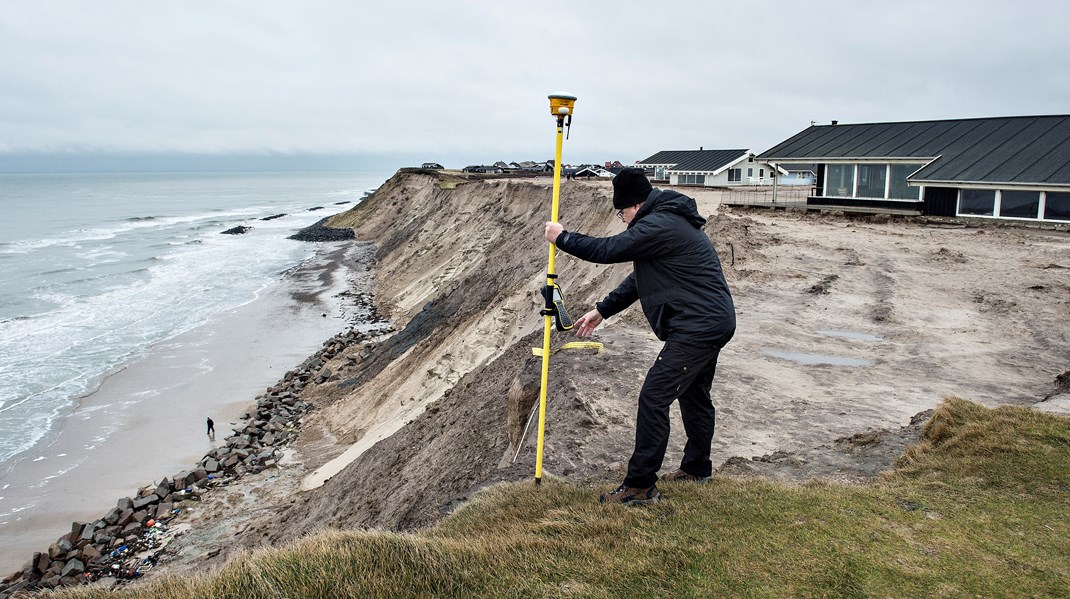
981,507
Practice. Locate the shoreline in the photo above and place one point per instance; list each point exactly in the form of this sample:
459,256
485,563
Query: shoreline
146,420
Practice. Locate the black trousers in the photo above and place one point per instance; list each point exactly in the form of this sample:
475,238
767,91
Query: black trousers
684,371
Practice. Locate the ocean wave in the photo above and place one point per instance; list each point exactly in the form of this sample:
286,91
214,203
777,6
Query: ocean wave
358,193
92,335
103,318
48,290
78,236
59,271
104,255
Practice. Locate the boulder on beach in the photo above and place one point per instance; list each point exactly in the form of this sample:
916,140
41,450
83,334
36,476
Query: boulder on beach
239,230
318,231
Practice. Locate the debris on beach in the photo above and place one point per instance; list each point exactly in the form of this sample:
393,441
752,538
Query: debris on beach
822,286
318,231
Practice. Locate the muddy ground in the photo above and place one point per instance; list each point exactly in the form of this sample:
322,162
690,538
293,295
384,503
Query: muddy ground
847,329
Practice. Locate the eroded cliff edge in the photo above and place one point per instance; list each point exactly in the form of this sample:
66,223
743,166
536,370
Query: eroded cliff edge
407,426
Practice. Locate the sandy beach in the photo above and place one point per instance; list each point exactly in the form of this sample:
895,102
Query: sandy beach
147,420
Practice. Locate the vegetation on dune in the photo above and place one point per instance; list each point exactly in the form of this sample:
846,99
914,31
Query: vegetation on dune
980,507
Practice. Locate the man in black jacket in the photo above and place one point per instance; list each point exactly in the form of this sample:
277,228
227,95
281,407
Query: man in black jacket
677,279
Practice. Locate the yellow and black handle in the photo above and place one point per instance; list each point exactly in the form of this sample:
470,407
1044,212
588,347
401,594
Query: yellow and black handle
555,305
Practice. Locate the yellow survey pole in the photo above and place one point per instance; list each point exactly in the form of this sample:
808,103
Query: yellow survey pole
561,108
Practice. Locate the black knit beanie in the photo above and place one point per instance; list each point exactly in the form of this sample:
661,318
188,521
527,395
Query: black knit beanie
630,187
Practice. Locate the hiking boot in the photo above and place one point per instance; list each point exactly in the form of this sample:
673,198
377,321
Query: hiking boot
680,476
626,495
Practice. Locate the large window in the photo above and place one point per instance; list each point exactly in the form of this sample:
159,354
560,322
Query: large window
841,180
871,178
691,179
977,202
1019,204
1057,205
897,186
735,175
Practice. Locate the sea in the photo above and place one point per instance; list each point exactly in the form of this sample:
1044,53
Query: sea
97,268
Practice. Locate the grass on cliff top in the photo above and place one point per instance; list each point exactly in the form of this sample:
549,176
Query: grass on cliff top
981,507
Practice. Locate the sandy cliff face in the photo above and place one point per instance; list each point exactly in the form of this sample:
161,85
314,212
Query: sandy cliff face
845,327
438,408
459,267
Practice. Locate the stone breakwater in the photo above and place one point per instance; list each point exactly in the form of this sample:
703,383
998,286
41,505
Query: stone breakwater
132,537
318,231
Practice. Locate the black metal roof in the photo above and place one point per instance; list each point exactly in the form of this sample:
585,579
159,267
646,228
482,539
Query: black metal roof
668,157
695,160
1021,149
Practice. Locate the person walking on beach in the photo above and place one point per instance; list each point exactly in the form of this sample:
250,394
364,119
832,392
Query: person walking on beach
677,279
211,427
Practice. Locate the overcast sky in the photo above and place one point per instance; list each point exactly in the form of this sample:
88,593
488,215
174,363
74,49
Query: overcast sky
463,82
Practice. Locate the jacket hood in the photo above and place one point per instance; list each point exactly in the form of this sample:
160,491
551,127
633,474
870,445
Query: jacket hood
670,201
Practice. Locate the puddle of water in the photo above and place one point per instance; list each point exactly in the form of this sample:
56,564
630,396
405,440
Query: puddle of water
814,359
850,335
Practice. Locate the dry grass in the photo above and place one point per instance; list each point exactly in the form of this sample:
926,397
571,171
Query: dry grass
981,507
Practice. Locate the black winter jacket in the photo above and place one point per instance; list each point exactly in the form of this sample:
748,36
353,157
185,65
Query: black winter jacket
677,276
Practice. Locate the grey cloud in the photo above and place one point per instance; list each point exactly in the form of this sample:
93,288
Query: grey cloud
472,78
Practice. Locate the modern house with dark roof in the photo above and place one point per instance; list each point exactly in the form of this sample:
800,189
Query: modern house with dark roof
1003,167
710,168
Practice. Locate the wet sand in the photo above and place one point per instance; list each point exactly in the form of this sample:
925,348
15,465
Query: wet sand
147,421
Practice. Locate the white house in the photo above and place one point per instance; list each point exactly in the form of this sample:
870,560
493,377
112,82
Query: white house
593,171
710,168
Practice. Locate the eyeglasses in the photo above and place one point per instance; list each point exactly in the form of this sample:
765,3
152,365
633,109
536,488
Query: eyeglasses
620,213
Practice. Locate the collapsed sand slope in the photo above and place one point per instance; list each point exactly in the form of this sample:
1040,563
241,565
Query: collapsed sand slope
908,313
460,268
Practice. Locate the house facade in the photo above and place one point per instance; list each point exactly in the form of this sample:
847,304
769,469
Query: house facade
1000,168
799,174
482,168
710,168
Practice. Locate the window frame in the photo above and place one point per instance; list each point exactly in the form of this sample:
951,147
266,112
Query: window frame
909,169
849,168
1062,200
871,170
1011,193
973,190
